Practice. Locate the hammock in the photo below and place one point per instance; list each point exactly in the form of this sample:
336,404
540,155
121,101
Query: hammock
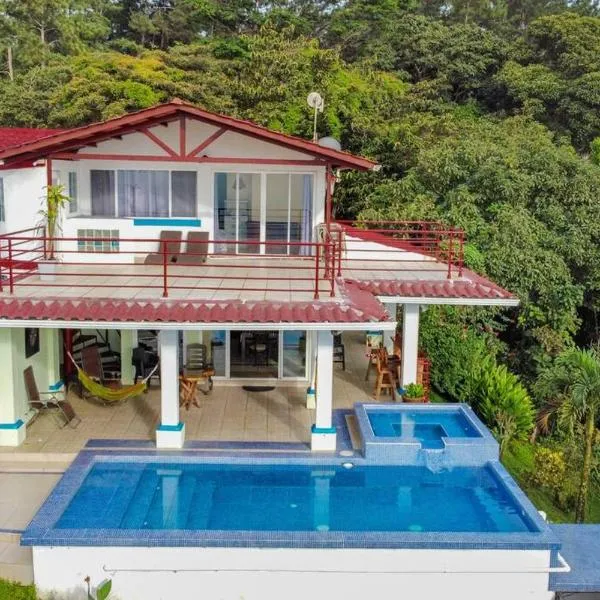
110,395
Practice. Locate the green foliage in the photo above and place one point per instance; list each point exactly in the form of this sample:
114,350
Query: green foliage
414,391
502,402
550,472
16,591
53,205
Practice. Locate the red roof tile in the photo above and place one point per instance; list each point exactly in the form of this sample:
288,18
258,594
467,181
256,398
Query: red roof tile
15,136
357,307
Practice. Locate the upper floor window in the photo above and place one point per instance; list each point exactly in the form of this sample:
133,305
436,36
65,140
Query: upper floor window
143,193
2,215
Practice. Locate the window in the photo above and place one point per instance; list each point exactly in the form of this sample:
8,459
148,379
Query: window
144,193
72,191
98,240
103,193
183,194
2,216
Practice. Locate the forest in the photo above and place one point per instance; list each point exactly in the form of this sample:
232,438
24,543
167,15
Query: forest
484,115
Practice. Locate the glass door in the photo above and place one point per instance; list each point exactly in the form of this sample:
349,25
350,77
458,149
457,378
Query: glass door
254,354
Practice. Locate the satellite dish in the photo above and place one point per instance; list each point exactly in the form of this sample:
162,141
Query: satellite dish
315,101
330,142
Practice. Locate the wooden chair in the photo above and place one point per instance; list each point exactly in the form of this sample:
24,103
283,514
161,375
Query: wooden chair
386,378
198,367
196,249
173,243
53,400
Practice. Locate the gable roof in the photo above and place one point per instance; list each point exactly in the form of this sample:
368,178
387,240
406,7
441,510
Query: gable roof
73,139
16,136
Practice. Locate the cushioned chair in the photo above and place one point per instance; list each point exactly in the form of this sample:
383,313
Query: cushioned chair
196,249
172,239
52,400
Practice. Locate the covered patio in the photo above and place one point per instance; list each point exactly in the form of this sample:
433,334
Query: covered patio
228,413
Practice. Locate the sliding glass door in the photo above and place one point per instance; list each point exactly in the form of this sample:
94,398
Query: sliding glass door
273,211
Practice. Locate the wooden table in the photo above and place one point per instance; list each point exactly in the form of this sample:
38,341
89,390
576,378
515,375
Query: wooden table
189,386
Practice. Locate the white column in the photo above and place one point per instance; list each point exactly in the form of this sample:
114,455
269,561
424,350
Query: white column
12,426
128,343
410,343
311,358
388,336
323,433
49,343
171,432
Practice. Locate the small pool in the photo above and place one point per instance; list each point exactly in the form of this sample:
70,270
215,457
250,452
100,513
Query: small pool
159,496
427,427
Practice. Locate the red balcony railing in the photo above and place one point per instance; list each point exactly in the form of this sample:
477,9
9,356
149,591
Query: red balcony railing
356,250
304,267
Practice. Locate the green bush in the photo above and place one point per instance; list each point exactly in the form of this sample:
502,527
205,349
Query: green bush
501,401
414,390
550,472
15,591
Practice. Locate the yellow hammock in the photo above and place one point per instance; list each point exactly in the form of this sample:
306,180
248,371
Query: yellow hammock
110,395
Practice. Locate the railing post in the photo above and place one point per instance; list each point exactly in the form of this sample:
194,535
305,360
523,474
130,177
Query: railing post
11,284
340,238
461,252
165,283
450,251
332,268
317,257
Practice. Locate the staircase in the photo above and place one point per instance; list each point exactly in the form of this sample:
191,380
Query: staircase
111,360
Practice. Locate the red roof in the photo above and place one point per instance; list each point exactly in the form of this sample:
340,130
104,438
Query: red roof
15,136
477,288
180,311
73,139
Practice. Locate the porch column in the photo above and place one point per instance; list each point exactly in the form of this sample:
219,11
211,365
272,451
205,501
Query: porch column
410,343
12,426
388,336
171,432
311,357
49,342
128,343
323,433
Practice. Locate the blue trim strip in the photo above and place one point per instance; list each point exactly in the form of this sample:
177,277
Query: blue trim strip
167,222
331,430
177,427
16,425
56,386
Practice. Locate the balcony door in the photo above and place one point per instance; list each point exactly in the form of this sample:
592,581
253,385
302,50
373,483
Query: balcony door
266,213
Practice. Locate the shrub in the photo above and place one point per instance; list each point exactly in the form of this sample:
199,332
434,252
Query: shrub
550,472
15,591
502,402
414,390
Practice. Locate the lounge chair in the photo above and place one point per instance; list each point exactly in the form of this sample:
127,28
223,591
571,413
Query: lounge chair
196,249
50,400
173,243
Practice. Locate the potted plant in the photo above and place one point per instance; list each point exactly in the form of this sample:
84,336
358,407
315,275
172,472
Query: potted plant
414,392
52,206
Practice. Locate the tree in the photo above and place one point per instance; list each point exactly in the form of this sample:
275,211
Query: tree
570,389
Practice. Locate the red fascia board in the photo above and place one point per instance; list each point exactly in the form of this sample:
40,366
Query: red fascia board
89,133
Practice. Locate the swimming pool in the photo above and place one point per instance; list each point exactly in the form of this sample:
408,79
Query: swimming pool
435,435
428,427
295,498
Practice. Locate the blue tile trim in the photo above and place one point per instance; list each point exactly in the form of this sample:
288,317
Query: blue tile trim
167,222
177,427
318,430
16,425
56,386
41,530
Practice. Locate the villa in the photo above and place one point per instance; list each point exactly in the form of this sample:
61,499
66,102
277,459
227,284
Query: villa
193,237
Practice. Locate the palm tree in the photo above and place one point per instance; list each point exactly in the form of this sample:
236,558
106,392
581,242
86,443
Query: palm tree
571,388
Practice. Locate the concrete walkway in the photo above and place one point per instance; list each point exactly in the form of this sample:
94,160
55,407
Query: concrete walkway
25,485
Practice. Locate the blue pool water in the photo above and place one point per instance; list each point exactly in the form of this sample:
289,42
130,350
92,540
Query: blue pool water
428,427
200,496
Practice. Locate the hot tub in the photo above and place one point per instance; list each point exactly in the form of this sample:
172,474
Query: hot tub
434,435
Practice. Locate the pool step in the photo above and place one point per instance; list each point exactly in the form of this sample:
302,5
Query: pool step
16,562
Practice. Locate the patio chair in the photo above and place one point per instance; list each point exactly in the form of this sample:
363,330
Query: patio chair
49,400
196,249
144,361
197,367
173,243
258,347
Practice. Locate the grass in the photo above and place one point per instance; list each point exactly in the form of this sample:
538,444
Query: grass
519,462
16,591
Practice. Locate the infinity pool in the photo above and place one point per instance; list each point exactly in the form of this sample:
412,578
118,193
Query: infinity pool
427,427
297,498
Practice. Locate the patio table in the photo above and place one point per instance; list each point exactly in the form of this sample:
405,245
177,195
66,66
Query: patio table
189,386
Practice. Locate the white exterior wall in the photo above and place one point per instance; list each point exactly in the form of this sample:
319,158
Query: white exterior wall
23,197
294,574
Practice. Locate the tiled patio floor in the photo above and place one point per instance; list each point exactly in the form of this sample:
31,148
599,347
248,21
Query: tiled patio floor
228,413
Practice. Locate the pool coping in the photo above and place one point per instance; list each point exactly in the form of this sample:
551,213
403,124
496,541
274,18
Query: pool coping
41,531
